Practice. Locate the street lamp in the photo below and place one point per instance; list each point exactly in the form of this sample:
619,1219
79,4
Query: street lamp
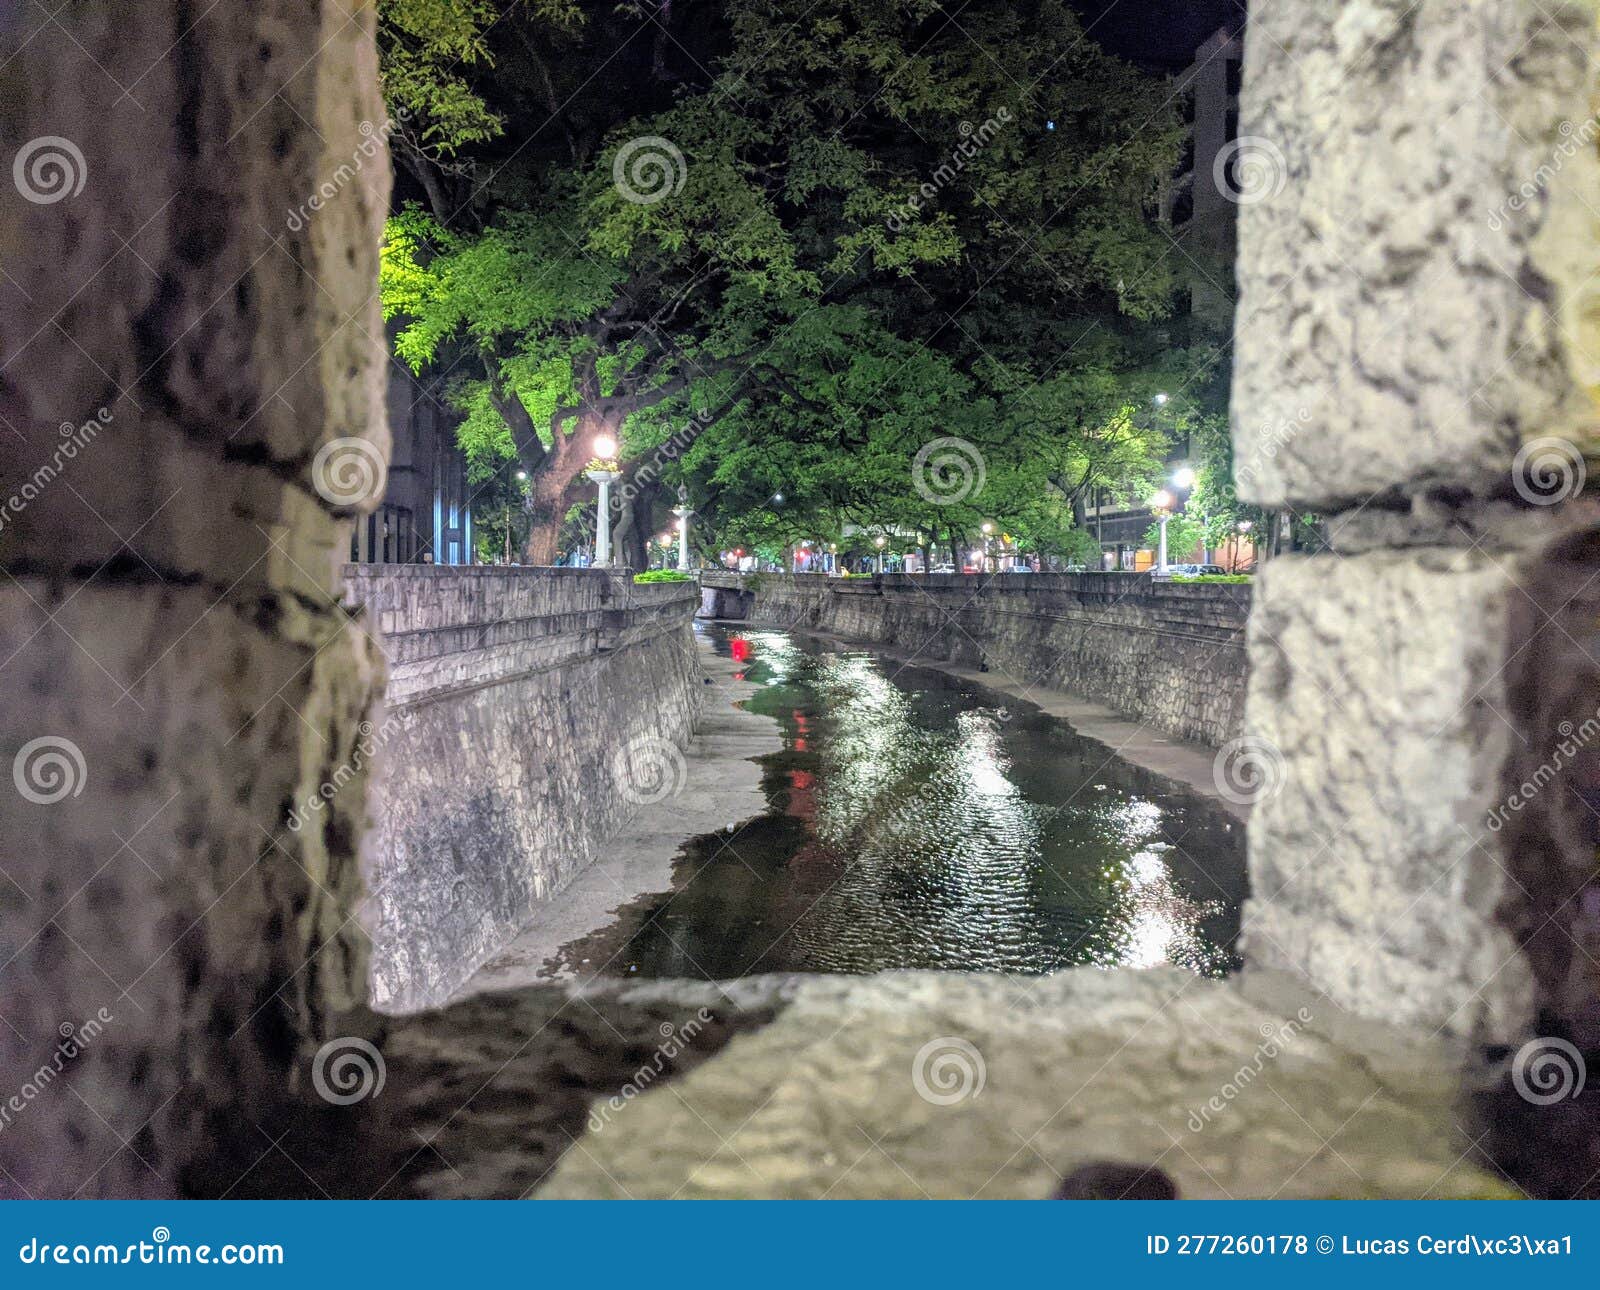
683,511
1184,478
1162,504
522,478
604,473
1161,400
880,542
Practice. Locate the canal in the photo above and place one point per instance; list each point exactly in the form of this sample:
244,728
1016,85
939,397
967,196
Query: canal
919,821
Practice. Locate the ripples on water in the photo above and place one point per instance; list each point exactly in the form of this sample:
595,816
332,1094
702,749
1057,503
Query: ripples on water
919,821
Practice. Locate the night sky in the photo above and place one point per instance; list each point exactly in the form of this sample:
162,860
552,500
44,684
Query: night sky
1155,32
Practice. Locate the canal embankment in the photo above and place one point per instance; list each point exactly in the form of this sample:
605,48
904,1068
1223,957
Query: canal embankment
1167,655
529,714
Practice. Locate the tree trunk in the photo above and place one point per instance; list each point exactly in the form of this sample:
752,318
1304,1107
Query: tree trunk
556,481
545,514
637,519
630,540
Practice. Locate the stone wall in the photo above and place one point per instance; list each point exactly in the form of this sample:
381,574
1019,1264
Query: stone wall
1416,361
1169,654
176,667
529,713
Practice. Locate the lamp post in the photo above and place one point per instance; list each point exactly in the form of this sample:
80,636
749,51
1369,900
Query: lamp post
880,542
683,511
604,472
521,477
1162,504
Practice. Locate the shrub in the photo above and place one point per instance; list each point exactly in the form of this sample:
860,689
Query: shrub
663,575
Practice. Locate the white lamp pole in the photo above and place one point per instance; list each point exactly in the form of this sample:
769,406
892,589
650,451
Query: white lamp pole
605,450
1162,503
602,523
683,513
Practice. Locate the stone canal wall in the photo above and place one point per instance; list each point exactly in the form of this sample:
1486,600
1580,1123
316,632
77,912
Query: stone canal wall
512,694
1169,654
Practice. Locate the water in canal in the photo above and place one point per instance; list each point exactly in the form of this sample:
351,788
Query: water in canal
919,821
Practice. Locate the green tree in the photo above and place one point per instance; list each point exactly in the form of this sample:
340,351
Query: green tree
881,228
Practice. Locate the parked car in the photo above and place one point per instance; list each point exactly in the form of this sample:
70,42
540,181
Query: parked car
1191,570
943,568
1019,568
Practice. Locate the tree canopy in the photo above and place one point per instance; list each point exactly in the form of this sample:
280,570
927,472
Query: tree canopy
844,231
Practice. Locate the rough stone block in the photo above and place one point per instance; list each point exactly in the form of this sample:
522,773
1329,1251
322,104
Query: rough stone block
1381,719
1420,202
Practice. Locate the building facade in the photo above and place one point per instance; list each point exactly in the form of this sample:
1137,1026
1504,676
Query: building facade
1200,209
1202,202
426,515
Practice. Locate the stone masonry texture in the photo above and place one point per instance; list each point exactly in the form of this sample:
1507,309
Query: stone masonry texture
1416,282
1169,654
529,714
170,621
1416,364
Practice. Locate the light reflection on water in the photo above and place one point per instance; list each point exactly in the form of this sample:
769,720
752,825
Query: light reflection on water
918,822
